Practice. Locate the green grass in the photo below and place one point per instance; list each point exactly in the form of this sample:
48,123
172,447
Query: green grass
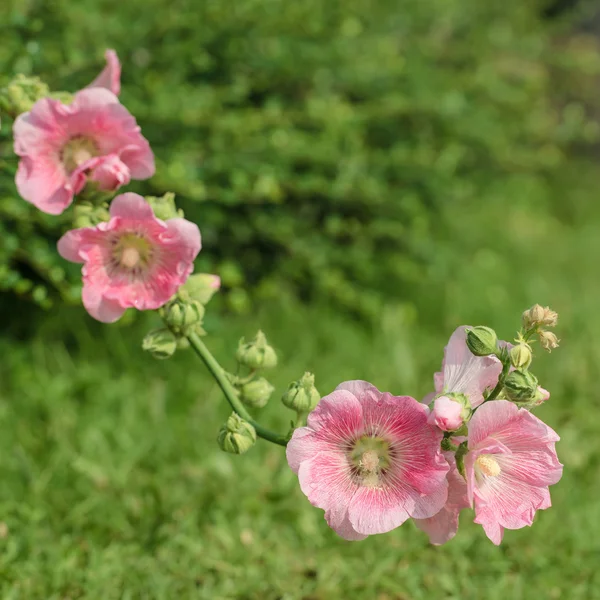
113,485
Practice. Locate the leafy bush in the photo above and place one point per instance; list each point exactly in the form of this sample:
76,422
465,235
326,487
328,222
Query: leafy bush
314,142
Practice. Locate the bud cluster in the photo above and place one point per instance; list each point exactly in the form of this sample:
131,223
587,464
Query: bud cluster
536,319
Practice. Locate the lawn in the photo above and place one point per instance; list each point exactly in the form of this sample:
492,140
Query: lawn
113,485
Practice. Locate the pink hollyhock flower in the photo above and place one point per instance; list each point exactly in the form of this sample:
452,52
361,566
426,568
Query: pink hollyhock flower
370,460
465,373
447,414
442,527
134,260
509,466
62,146
110,77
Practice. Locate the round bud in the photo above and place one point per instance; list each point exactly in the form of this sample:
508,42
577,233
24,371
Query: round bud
236,436
520,356
161,343
256,354
200,287
520,386
180,315
164,207
302,395
482,341
256,394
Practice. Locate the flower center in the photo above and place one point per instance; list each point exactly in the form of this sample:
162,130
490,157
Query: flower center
369,458
131,252
77,151
488,465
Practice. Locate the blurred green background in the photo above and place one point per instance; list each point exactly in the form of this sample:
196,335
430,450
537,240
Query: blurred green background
367,175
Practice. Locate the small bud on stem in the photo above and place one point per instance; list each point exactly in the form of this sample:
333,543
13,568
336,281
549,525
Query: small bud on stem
482,341
236,436
256,354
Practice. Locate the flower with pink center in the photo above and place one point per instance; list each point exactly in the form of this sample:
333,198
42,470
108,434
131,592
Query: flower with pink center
465,373
510,464
447,414
442,527
370,460
63,146
110,76
133,260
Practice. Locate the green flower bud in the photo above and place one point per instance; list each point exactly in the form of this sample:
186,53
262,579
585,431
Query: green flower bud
161,343
256,354
181,315
520,386
21,94
302,395
236,436
200,287
86,214
164,206
482,341
520,356
256,394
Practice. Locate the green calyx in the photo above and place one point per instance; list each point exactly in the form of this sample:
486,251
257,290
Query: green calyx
161,343
256,394
182,316
302,395
482,341
200,287
21,94
256,354
520,386
236,436
164,207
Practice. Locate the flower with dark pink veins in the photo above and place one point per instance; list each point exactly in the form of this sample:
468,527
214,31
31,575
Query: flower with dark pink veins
463,372
63,146
370,460
133,260
110,76
442,527
510,464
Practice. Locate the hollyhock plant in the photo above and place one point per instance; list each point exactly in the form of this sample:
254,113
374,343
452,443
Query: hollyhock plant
133,260
63,146
509,466
442,526
110,76
447,414
370,460
463,372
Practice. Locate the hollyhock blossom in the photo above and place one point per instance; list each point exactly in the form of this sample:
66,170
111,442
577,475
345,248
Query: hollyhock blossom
465,373
110,76
63,146
370,460
509,466
447,414
133,260
443,526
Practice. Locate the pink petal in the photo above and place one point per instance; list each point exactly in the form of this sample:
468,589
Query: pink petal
489,418
102,309
110,77
339,414
70,244
131,206
357,387
377,510
111,173
187,236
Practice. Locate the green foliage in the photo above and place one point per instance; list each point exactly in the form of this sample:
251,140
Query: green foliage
316,143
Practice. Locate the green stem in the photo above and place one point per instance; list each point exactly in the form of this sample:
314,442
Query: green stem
219,374
496,391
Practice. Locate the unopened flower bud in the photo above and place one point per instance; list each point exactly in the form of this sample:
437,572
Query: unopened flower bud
520,386
548,340
302,395
256,394
200,287
164,207
236,436
181,315
21,94
550,318
86,214
256,354
161,343
482,341
541,396
447,414
520,356
539,315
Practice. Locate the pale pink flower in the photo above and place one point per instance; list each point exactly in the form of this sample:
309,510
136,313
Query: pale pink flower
442,527
370,460
62,146
133,260
446,414
463,372
110,77
509,466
